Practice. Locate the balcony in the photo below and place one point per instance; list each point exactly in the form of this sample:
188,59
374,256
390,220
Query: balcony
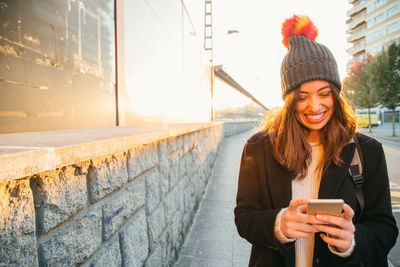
356,48
356,8
355,21
356,35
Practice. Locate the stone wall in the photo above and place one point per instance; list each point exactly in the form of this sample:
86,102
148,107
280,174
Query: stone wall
236,127
128,208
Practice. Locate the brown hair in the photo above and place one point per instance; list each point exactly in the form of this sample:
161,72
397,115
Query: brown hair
288,136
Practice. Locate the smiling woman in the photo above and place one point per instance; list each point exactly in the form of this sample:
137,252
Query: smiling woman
303,153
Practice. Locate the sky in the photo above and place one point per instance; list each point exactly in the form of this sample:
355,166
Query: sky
253,56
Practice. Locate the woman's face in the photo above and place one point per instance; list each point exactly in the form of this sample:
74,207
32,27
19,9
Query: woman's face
314,106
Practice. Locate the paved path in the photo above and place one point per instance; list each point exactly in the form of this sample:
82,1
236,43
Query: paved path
213,239
384,133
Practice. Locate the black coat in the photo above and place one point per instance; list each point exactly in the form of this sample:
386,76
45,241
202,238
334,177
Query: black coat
265,188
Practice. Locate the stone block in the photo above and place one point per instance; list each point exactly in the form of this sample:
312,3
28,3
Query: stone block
163,168
118,209
134,241
164,183
155,259
156,223
166,243
177,230
175,144
74,243
180,187
188,143
183,167
106,175
141,159
190,163
189,195
17,224
58,195
171,203
174,165
109,255
153,191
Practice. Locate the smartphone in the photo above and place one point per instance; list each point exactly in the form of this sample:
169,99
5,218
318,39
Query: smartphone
325,206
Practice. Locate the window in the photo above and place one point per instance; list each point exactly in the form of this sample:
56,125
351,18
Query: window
392,11
370,8
379,3
379,34
360,3
375,35
394,27
379,18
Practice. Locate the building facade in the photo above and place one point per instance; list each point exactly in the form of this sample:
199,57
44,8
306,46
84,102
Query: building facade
87,64
372,26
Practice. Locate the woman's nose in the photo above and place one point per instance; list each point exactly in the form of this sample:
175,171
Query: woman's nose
314,104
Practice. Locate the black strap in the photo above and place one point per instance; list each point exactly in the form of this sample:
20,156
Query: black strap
357,173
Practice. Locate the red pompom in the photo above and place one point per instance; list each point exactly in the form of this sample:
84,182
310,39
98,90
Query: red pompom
298,25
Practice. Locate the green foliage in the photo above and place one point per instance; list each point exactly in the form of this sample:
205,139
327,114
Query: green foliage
358,86
386,77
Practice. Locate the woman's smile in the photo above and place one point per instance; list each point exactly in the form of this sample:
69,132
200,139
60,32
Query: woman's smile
315,117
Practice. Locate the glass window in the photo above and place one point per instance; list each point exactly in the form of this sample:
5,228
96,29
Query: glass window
392,11
379,18
379,3
370,8
370,23
394,27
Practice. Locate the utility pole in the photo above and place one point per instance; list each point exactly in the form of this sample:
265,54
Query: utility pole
208,47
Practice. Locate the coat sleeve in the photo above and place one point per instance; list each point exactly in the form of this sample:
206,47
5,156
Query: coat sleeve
254,222
376,233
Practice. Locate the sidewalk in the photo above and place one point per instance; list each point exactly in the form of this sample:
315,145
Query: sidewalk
213,239
384,132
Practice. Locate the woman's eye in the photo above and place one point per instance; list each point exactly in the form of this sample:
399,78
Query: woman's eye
326,94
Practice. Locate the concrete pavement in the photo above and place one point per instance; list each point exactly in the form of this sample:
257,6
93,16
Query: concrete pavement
384,132
213,239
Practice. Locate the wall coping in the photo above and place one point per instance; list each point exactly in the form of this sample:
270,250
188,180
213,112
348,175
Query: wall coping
25,154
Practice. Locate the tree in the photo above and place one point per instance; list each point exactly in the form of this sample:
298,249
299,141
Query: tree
358,86
386,78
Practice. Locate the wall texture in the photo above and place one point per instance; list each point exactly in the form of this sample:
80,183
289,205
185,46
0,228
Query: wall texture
232,128
129,208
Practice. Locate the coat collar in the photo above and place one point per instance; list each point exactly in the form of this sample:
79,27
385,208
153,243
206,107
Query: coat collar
280,185
280,182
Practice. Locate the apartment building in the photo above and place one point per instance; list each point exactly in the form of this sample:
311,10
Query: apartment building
372,26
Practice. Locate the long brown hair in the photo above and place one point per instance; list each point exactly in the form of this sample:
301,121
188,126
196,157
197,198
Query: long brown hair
288,136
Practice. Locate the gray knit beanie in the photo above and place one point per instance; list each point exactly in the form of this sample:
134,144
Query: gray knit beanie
306,59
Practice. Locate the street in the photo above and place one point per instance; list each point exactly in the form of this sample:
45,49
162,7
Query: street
392,152
391,146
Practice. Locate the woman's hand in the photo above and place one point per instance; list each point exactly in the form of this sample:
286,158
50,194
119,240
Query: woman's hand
295,223
340,236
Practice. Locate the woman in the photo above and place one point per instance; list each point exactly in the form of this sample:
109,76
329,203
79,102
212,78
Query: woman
303,153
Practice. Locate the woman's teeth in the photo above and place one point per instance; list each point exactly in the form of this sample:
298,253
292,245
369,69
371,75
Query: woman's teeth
315,116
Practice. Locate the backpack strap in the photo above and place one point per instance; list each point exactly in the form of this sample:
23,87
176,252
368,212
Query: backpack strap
356,172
